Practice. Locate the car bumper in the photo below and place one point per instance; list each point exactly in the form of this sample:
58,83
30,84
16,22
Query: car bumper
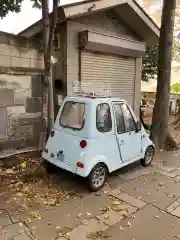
80,172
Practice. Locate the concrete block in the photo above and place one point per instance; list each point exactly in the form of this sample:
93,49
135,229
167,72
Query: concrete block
131,200
22,132
176,212
20,96
12,230
29,53
6,96
35,63
3,124
5,61
4,219
173,206
115,192
20,62
83,231
111,218
22,236
36,86
33,105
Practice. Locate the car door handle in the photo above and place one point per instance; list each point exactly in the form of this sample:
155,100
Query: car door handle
121,142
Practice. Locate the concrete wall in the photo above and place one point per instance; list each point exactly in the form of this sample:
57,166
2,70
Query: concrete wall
21,66
100,23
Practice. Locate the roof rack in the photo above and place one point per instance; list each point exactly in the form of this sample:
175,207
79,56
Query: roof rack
103,94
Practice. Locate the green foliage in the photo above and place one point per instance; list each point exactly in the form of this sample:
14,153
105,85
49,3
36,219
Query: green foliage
7,6
150,63
175,88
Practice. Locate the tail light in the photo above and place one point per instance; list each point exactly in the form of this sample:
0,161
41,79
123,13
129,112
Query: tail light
80,165
52,133
83,144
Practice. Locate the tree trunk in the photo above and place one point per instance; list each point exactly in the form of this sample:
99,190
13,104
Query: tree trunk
47,106
159,129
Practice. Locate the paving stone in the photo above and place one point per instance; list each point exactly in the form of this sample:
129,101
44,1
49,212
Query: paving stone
173,206
4,219
176,212
138,173
168,168
22,236
168,174
115,192
82,231
131,200
113,217
12,230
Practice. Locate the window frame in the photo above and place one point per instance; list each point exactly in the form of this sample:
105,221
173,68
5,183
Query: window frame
110,129
65,126
132,118
120,104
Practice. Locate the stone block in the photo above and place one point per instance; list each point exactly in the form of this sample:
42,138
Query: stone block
5,61
111,218
20,96
22,132
131,200
4,219
20,62
6,96
115,192
33,105
4,38
22,236
3,123
173,206
29,53
37,63
83,231
36,86
12,230
176,212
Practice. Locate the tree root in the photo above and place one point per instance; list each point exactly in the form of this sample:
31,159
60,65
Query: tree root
170,143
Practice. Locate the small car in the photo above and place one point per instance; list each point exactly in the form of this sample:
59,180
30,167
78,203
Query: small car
95,135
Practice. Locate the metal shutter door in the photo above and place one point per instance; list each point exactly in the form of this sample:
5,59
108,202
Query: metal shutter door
103,72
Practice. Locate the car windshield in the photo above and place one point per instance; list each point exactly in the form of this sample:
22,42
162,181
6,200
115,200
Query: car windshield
72,115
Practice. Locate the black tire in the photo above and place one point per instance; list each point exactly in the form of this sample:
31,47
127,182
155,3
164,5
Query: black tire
91,185
50,168
149,155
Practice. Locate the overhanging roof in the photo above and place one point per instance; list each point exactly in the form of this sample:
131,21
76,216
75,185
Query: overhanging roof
128,10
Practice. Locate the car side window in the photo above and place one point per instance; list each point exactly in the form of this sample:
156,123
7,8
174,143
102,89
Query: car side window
103,118
128,119
119,118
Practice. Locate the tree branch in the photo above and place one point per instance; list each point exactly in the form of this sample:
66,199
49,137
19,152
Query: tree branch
52,27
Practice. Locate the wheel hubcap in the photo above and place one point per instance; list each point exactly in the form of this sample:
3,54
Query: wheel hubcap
149,155
98,177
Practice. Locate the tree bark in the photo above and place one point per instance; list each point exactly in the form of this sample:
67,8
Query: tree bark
47,106
159,130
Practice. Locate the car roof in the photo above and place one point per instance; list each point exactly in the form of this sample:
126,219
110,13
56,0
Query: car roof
88,99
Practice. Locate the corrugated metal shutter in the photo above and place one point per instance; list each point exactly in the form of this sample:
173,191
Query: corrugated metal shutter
104,72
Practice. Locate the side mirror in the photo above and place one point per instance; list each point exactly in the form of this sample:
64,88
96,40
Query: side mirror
138,126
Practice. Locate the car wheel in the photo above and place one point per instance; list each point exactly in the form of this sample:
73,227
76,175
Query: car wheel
149,155
97,177
50,168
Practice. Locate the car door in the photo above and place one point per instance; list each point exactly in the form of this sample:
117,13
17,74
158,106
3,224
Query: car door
129,140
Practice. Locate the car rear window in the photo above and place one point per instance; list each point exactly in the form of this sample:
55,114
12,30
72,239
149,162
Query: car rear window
72,115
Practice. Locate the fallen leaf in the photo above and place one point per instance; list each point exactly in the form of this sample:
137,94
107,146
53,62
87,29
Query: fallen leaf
58,227
121,228
116,202
177,236
79,215
23,165
129,224
106,217
85,222
161,184
34,214
157,217
88,214
171,195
